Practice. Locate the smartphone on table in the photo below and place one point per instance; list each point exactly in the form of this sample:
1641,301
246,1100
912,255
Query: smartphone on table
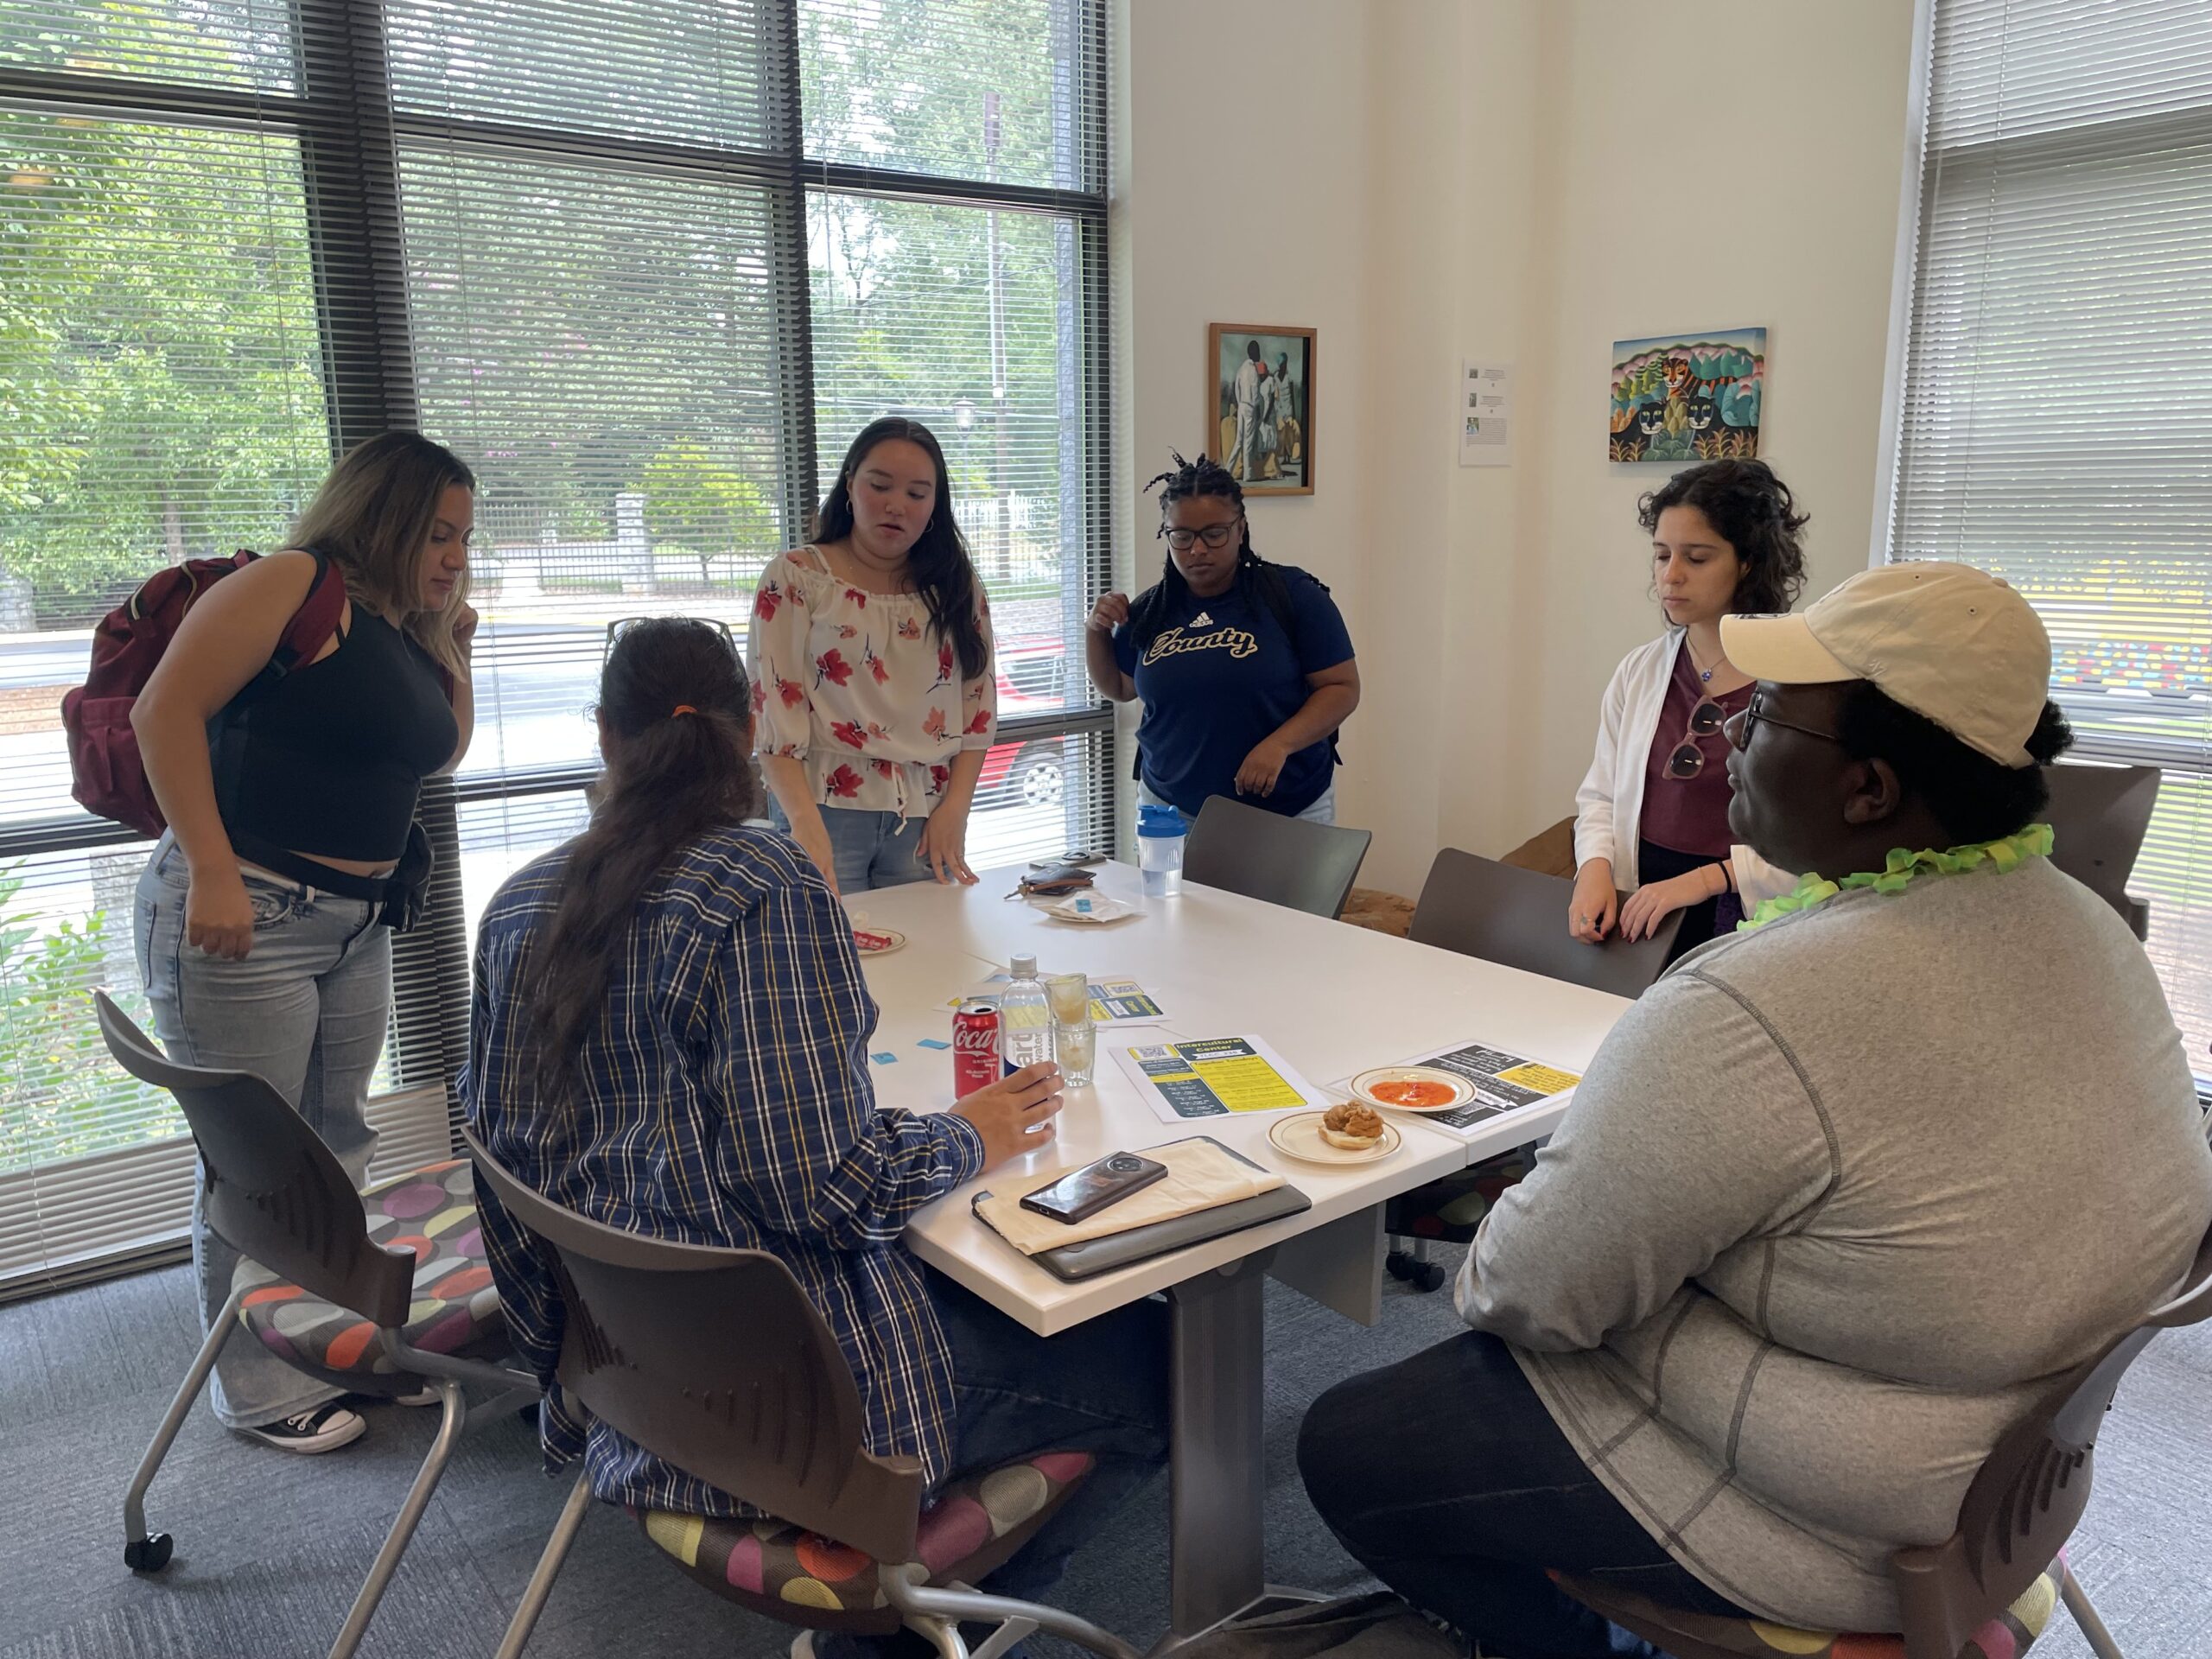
1082,1193
1075,857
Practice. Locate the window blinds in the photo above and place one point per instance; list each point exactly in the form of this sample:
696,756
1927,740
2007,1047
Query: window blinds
648,265
2055,424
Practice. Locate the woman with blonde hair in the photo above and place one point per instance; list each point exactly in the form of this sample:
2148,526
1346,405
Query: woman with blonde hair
261,915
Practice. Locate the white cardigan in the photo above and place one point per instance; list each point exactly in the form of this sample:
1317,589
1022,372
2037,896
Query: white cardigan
1610,803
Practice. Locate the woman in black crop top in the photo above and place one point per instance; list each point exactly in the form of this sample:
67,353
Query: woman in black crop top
259,928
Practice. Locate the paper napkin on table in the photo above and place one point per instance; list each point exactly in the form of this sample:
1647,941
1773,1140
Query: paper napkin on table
1201,1174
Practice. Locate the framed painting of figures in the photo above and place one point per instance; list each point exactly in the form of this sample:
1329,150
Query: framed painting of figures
1688,397
1260,405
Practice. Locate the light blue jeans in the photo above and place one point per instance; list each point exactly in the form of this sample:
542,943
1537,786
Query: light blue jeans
869,849
1324,810
307,1009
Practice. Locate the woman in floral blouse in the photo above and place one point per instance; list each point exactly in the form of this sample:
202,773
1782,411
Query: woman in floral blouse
872,684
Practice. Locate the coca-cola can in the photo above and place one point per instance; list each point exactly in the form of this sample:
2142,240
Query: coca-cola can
975,1045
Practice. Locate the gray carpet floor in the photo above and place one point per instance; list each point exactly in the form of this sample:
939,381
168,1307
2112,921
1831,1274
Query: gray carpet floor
271,1548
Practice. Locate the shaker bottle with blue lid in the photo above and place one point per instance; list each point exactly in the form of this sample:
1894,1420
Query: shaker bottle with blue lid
1160,835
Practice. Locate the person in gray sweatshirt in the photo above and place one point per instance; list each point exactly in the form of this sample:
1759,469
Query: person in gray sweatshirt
1837,1202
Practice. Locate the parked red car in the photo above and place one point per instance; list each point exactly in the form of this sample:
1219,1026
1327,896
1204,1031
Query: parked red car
1031,679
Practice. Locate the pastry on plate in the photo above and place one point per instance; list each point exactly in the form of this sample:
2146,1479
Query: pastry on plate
1352,1126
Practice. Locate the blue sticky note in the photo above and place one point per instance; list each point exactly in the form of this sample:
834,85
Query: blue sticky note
931,1042
885,1059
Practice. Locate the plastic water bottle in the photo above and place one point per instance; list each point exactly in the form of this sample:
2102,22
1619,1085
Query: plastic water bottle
1160,835
1024,1018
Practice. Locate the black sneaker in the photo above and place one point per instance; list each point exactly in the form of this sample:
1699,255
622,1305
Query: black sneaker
323,1429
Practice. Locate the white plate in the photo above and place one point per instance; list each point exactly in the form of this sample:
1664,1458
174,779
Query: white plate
1462,1090
1299,1136
897,940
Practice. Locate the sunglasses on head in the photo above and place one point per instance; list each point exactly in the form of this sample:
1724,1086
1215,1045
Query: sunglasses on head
622,624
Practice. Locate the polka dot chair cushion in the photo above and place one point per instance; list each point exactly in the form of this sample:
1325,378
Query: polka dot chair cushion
431,1212
802,1578
1692,1635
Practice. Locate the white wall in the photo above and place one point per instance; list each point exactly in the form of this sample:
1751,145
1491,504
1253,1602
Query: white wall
1424,180
1783,212
1242,174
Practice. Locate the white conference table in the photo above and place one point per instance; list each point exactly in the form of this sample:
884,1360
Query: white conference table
1332,999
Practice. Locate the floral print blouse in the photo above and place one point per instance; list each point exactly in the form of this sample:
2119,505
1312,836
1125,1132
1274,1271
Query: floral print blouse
856,687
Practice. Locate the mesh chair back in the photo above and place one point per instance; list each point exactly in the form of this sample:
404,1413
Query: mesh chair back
1481,908
2099,815
1262,854
714,1360
274,1190
2030,1494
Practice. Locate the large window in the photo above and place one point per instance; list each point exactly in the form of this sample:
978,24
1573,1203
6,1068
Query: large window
648,265
2056,425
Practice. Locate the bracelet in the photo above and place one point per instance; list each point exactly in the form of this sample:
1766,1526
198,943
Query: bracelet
1725,884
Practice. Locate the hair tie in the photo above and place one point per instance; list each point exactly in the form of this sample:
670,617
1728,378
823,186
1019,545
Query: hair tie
681,709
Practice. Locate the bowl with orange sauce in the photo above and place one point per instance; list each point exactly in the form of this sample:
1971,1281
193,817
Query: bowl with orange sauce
1413,1089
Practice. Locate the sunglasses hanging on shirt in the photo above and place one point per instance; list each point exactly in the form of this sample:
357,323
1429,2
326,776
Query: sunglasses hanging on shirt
1688,760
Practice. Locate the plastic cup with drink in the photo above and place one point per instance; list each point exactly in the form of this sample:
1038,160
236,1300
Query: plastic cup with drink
1075,1039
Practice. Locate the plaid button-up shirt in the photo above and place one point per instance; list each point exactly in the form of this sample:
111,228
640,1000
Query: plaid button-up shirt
725,1101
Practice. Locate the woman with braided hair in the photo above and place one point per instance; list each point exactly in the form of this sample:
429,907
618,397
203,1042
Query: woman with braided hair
1244,667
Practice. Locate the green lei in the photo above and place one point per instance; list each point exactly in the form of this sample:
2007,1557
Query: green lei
1899,868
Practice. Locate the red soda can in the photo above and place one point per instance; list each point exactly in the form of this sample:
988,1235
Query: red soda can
975,1045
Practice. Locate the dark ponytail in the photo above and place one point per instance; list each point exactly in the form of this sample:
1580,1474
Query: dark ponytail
677,714
1149,612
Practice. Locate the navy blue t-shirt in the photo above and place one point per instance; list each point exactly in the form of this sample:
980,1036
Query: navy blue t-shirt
1221,676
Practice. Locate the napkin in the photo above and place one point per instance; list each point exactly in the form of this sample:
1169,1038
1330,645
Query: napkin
1201,1174
1090,907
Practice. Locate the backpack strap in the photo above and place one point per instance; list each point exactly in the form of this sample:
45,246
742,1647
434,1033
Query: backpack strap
311,626
316,620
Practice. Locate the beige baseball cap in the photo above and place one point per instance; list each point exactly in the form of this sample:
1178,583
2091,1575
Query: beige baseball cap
1947,641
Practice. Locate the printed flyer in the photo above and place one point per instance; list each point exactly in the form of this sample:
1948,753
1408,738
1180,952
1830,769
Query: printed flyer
1214,1076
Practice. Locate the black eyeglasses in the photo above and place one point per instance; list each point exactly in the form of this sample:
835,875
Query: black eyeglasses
1688,758
622,624
1739,727
1213,535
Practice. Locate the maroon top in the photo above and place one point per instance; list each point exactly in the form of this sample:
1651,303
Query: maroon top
1689,814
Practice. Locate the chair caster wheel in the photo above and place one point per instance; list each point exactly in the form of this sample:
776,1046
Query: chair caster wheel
1426,1276
1399,1264
148,1554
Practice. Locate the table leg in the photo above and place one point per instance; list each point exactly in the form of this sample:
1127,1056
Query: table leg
1217,1470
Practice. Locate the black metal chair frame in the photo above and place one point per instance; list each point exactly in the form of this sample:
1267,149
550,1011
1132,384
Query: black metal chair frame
280,1197
758,1401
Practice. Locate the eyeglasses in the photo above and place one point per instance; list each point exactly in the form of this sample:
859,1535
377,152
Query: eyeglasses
1688,758
1213,535
1739,727
622,624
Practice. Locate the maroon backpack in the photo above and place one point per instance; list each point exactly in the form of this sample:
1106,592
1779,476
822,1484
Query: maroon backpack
110,779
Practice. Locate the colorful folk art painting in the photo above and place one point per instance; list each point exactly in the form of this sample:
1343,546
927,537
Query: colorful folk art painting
1684,398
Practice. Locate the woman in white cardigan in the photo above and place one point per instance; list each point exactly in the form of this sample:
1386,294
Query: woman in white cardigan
1651,819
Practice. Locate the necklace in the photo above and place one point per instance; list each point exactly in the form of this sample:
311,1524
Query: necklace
1899,868
1704,675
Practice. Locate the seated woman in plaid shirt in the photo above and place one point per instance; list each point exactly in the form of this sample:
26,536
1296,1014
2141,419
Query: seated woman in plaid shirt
670,1035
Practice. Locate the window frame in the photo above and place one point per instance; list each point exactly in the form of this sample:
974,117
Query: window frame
349,130
1915,205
